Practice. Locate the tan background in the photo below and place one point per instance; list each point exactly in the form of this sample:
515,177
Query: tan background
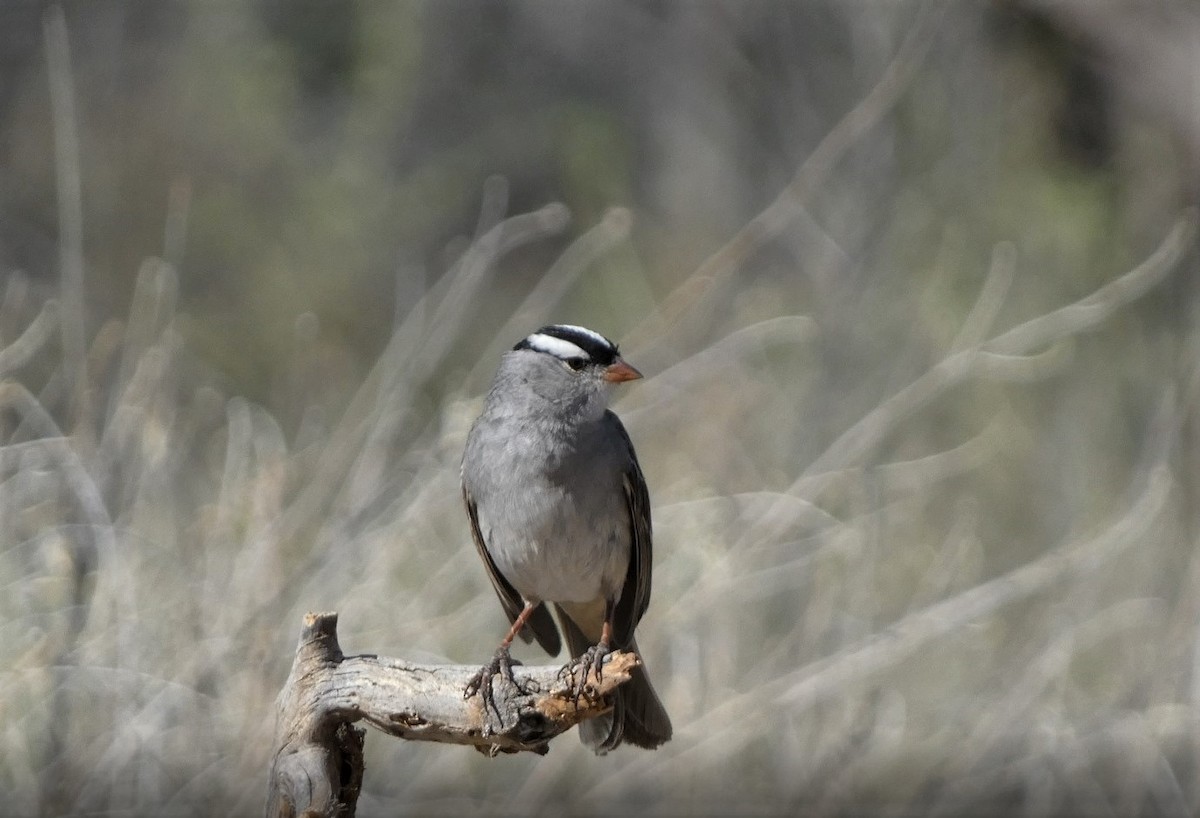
265,255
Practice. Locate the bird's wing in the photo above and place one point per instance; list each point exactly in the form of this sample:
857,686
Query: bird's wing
635,595
540,624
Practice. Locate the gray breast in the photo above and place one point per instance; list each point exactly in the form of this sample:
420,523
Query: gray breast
551,506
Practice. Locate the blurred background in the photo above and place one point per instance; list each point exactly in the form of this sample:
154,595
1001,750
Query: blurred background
915,287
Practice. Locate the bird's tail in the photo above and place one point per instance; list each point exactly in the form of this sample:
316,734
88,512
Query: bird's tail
637,717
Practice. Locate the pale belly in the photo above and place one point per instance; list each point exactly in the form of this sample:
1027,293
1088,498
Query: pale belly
551,550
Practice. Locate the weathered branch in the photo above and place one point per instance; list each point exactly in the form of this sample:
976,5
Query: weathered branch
318,763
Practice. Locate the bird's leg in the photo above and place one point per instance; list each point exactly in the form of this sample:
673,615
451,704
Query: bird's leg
604,647
502,663
593,658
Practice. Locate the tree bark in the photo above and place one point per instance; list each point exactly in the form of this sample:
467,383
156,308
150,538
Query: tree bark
317,768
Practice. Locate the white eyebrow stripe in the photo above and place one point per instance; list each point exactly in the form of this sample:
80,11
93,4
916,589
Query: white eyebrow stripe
595,336
555,346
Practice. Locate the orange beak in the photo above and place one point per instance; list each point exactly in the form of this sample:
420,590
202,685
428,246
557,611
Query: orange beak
619,371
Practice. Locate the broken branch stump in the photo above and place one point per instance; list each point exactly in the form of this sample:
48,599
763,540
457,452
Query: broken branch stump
318,763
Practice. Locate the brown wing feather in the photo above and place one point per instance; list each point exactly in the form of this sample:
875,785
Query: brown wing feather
635,594
540,624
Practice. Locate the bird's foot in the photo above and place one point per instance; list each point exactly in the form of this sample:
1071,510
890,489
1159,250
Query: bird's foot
577,672
482,682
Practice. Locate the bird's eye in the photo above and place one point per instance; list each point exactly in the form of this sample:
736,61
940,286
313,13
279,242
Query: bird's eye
576,363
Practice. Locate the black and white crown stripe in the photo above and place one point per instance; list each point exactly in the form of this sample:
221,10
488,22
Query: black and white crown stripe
567,341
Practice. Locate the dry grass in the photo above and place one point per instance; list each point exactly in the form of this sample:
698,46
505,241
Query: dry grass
824,641
909,560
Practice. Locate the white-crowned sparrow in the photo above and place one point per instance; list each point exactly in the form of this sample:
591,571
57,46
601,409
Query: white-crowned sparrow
561,517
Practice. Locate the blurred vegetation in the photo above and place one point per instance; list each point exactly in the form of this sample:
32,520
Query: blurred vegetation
925,532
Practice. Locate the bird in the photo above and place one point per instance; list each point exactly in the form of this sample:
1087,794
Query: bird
560,514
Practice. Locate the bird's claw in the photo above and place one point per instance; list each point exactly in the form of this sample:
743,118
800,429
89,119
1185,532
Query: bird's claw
482,682
576,673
